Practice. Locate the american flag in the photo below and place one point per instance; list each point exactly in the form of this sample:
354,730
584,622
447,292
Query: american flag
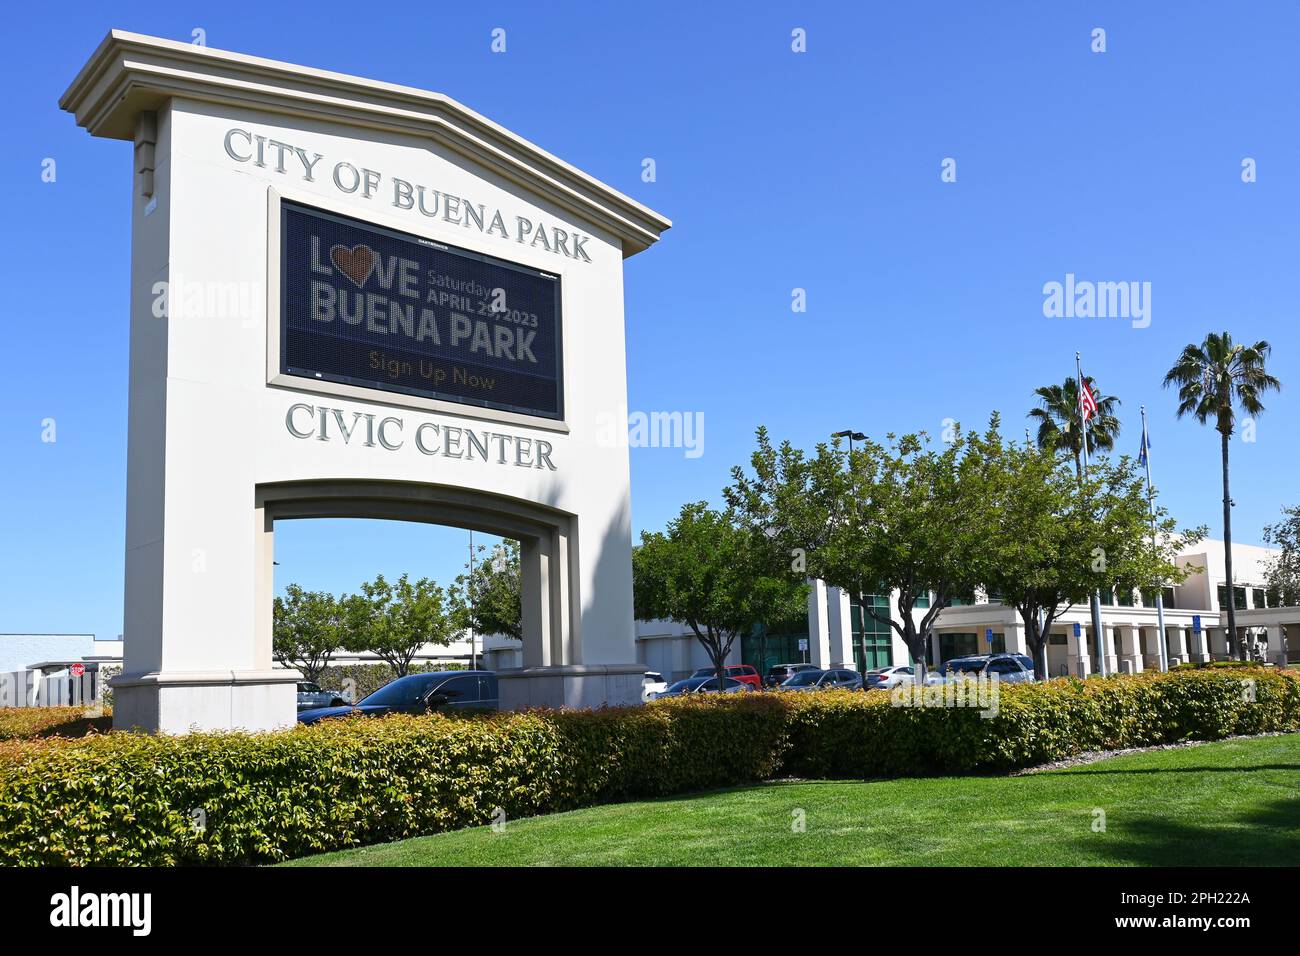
1087,401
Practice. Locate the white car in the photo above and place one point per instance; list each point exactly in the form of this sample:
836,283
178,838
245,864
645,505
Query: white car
652,685
884,678
887,678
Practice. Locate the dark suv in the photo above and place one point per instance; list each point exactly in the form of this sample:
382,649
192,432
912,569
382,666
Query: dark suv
420,694
778,674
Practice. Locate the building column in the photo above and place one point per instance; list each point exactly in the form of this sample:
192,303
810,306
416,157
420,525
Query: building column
1014,639
1277,645
841,629
1199,644
1178,652
1109,640
819,634
1129,642
1080,659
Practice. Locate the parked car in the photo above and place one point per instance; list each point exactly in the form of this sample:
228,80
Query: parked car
885,678
310,696
817,679
741,672
704,685
843,678
805,679
778,674
1010,668
652,685
420,694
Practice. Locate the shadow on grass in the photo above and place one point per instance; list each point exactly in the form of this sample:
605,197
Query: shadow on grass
1097,771
1268,835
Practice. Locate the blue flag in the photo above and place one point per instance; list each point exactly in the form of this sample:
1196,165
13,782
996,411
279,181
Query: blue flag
1146,444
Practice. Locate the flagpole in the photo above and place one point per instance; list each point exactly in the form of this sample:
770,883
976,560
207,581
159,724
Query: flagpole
1160,591
1043,637
1096,595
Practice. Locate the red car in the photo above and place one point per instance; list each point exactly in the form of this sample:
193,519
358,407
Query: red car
741,672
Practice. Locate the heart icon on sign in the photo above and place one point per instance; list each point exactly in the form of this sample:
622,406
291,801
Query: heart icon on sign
356,263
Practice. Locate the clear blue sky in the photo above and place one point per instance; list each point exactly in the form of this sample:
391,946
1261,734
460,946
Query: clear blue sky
780,170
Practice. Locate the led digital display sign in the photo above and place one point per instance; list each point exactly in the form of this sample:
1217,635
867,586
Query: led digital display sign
369,306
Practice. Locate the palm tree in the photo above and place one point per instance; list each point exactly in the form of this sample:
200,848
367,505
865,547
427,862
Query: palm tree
1059,429
1212,378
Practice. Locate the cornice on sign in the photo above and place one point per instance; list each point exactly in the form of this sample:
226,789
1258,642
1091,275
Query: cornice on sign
131,73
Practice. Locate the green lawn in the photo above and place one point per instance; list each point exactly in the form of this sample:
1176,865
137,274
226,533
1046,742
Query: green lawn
1234,803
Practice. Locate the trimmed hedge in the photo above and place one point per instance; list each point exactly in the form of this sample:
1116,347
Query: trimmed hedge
29,723
240,798
848,735
228,798
1221,665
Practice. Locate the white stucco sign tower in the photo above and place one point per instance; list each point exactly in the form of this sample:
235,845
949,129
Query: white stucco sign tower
350,298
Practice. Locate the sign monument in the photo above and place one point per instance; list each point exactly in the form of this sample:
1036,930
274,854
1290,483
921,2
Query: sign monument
356,299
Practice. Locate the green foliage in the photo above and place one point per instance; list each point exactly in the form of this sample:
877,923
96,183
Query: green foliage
230,798
907,517
492,589
1213,378
1216,665
715,576
29,723
839,734
1056,536
1060,427
1282,572
307,629
393,620
131,799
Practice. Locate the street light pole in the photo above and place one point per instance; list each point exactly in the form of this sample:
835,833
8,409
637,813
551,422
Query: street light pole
853,436
1160,591
473,648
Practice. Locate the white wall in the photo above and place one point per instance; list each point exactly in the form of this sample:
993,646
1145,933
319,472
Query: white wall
19,651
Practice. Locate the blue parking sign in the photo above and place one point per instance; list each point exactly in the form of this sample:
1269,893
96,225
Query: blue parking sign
1078,631
988,633
1196,624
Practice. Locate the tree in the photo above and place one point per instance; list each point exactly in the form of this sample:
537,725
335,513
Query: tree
1059,427
308,628
1282,572
900,518
394,620
709,573
1056,538
492,589
1213,378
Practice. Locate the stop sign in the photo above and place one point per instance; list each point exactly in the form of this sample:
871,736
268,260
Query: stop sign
78,669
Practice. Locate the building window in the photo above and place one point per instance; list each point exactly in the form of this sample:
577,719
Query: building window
1261,600
872,638
963,600
1124,597
780,645
1238,597
1169,601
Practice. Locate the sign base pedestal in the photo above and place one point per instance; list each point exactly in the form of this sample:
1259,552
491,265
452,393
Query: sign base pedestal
571,685
177,702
